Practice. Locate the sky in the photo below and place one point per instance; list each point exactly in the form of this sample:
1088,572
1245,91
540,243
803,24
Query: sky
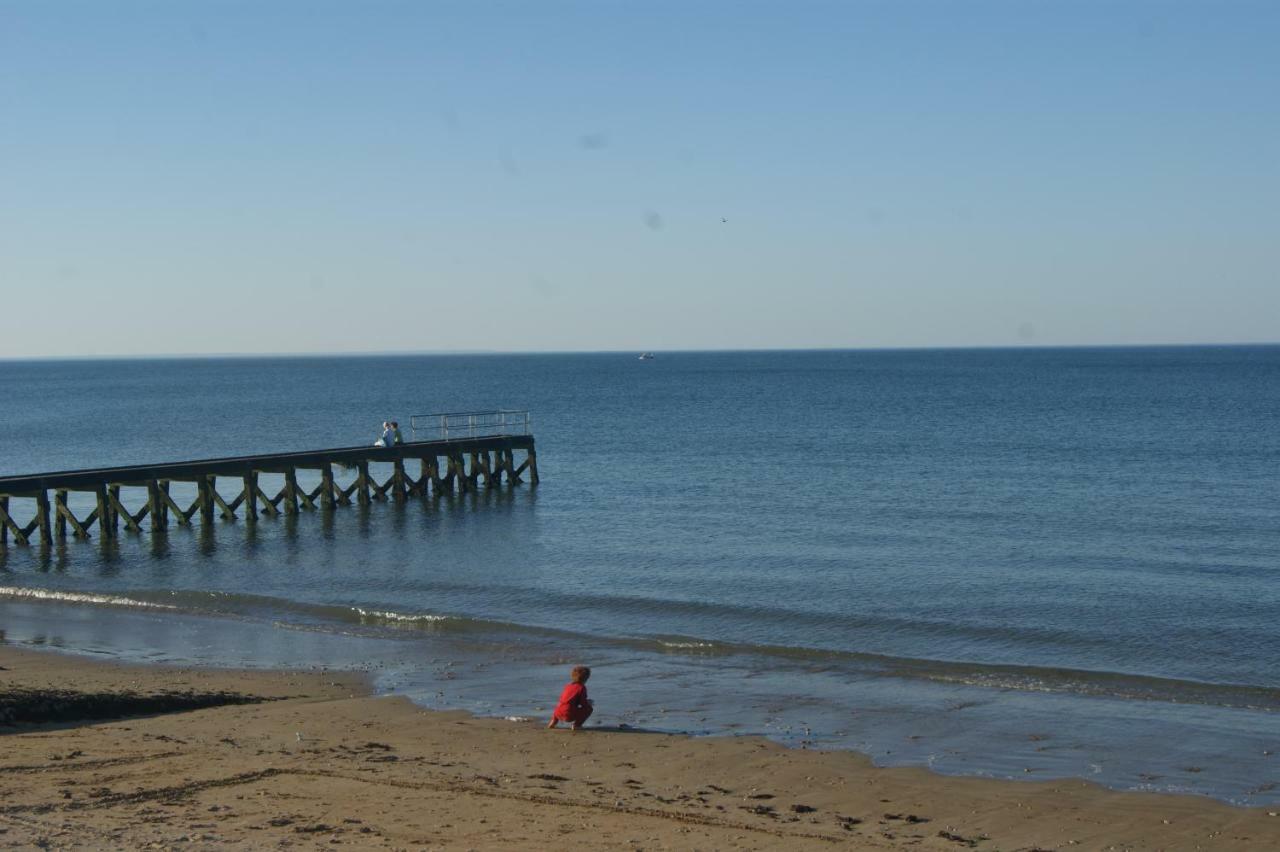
325,177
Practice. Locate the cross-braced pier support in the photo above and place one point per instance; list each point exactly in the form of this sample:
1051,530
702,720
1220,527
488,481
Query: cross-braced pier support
444,467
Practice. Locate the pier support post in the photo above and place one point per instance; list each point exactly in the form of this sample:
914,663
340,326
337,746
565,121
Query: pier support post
291,491
251,496
362,483
458,469
155,506
397,481
326,486
165,501
113,497
104,512
60,519
7,523
533,466
429,476
204,487
442,482
42,517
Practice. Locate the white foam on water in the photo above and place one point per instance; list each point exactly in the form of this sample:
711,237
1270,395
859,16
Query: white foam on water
387,615
23,593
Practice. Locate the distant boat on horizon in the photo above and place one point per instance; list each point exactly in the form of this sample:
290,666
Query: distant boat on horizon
646,356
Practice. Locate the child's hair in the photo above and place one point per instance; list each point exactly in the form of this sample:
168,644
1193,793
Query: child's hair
579,674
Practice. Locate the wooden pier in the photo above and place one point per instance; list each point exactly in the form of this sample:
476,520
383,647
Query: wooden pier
441,444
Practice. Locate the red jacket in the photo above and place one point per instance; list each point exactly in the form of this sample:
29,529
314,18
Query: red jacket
573,701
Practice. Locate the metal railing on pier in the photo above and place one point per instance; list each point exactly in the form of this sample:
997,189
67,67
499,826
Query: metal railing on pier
456,425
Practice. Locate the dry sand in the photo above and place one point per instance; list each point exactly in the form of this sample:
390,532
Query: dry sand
324,764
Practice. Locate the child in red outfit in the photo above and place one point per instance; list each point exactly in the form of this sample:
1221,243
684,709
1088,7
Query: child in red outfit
574,707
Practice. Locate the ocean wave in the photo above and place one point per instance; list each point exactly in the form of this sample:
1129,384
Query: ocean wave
388,616
278,611
374,620
1021,678
684,644
23,593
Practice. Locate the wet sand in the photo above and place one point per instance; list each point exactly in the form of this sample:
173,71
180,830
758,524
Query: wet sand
303,760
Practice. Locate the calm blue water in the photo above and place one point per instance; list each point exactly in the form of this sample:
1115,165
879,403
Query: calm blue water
1012,562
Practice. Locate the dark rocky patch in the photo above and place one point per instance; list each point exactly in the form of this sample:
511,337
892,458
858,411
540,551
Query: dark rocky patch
20,705
312,829
956,838
762,810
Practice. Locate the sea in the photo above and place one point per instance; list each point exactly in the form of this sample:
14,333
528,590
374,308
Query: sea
1026,563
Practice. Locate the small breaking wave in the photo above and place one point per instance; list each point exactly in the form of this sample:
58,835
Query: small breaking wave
373,620
278,611
374,616
688,645
22,593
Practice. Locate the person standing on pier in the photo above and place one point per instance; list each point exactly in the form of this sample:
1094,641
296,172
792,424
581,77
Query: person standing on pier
387,437
395,433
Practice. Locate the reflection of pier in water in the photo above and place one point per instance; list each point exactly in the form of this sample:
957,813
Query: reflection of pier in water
441,444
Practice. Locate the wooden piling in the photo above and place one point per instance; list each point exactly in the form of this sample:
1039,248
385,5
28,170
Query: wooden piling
397,481
42,517
326,486
444,482
21,535
204,494
362,482
165,502
113,499
424,476
59,516
251,496
499,465
532,461
104,512
290,491
156,507
458,471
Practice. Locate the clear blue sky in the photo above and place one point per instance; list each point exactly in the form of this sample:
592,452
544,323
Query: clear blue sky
214,177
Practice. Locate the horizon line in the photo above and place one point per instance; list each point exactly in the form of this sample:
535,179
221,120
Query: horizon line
408,353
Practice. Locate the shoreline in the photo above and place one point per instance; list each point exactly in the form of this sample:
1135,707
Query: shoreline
324,761
953,729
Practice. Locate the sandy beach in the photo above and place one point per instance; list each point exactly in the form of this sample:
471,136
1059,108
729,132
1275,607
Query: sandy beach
312,759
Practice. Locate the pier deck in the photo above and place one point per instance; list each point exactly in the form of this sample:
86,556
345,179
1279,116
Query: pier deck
442,469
